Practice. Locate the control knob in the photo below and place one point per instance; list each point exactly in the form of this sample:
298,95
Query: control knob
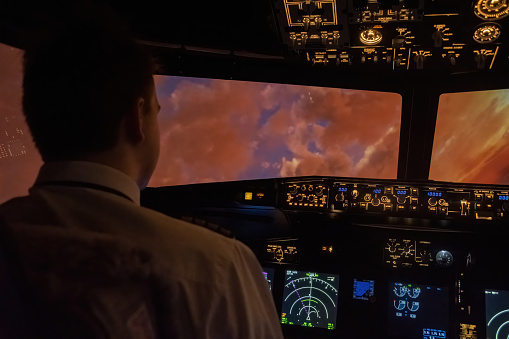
398,41
419,61
355,193
306,22
319,191
401,199
375,202
452,59
438,37
444,259
480,60
432,201
318,22
340,197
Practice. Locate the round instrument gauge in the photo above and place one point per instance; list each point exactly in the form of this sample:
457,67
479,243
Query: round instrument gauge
370,37
444,259
492,9
486,33
310,299
400,291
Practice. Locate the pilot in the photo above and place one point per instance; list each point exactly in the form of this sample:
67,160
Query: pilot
95,263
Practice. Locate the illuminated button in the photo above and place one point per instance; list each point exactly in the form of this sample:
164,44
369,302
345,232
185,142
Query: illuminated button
388,207
401,208
388,190
355,204
432,209
478,206
443,210
364,205
248,196
413,208
414,201
489,207
414,191
478,196
489,197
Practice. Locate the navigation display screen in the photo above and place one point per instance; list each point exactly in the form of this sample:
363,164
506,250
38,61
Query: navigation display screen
497,314
268,273
418,311
363,289
310,299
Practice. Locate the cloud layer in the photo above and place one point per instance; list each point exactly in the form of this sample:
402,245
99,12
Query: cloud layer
217,130
472,138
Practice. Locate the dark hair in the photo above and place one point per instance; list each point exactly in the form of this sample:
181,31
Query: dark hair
79,80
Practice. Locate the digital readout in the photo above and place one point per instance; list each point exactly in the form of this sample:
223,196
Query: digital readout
401,192
342,189
434,194
377,191
503,197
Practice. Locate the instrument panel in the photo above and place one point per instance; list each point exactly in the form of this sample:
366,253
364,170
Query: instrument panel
366,258
411,200
398,35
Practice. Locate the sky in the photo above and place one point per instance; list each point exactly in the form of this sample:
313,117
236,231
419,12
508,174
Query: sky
472,138
223,130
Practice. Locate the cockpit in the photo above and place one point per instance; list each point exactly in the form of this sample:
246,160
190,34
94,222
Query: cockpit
358,147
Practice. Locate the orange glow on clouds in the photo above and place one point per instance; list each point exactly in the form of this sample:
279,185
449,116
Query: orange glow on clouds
472,138
219,130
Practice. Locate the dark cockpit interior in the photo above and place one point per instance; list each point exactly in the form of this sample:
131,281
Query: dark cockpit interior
359,147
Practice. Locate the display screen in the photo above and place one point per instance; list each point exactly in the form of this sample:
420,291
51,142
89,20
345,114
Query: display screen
310,299
363,289
268,274
470,143
434,194
503,197
418,311
402,192
497,314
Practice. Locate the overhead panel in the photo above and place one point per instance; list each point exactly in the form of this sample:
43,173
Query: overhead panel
398,35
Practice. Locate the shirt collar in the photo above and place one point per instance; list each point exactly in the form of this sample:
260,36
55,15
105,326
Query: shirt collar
89,173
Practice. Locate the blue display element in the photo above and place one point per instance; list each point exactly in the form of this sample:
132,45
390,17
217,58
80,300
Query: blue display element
503,197
402,192
377,191
342,189
434,194
429,333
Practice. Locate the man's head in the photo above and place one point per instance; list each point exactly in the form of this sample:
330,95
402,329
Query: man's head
88,86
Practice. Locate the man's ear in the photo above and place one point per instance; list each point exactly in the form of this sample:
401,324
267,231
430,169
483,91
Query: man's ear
134,122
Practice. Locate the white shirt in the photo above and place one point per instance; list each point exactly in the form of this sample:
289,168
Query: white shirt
85,217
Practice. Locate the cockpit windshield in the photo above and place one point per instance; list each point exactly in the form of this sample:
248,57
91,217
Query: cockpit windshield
472,138
224,130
